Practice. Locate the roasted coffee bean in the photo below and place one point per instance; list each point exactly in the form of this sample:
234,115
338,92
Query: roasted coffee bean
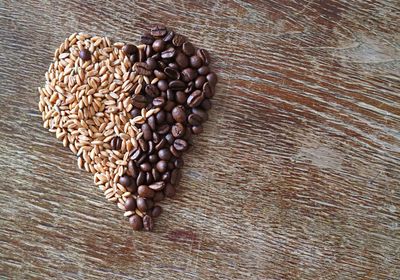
171,165
180,145
195,99
125,180
141,178
135,112
160,117
85,55
174,151
158,45
152,122
162,166
151,147
173,65
156,137
148,51
136,155
143,145
149,178
169,190
195,61
175,176
130,204
161,144
171,73
158,30
188,135
199,82
163,129
147,133
169,106
133,58
116,143
203,70
148,223
136,222
212,79
130,49
142,68
194,119
141,55
159,102
147,39
158,196
197,129
162,85
178,113
180,97
132,169
170,138
168,53
188,74
208,91
156,211
159,75
145,191
157,186
182,60
166,176
178,163
177,85
146,167
178,40
156,174
206,104
169,36
169,118
203,114
178,130
153,158
164,154
141,204
142,158
151,63
150,204
204,55
190,87
170,95
188,48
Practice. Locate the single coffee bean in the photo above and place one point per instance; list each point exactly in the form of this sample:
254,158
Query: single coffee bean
206,104
148,223
178,40
188,48
147,39
164,154
142,68
188,135
182,60
136,155
116,143
195,61
170,95
203,70
147,133
158,196
159,75
146,167
132,188
194,119
180,145
172,73
150,204
135,112
171,165
159,102
85,55
158,45
153,158
160,117
178,130
195,99
156,212
178,113
156,137
175,176
133,58
177,85
178,163
169,118
169,106
170,138
132,169
125,180
197,129
188,74
190,87
180,97
199,82
203,114
208,91
130,204
141,55
162,166
141,178
141,204
204,55
169,36
151,146
158,30
136,222
157,186
149,178
169,190
168,53
212,79
161,144
156,174
130,49
152,122
151,63
173,65
145,191
163,129
162,85
174,151
142,158
166,176
143,145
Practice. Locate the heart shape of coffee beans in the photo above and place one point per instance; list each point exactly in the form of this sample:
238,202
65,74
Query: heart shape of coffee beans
129,112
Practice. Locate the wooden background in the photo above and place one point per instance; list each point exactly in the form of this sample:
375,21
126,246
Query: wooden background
297,173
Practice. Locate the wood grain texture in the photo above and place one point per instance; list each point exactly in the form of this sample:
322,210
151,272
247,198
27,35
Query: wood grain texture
295,177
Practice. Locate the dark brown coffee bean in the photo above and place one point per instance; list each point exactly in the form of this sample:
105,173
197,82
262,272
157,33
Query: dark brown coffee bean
182,60
159,101
178,163
141,204
195,61
156,138
169,36
169,138
203,70
180,145
147,39
132,169
195,99
85,55
143,145
136,154
151,63
162,166
152,122
135,112
197,129
130,49
130,204
170,95
174,151
153,158
149,51
162,85
203,114
161,144
188,48
171,165
178,113
188,135
175,176
149,178
125,180
164,154
136,222
199,82
147,133
158,30
172,73
204,55
116,143
141,178
156,174
132,188
141,55
180,97
178,130
146,167
188,74
169,119
169,105
156,212
145,191
133,58
169,190
194,119
178,40
142,158
158,45
159,75
163,129
157,186
190,88
160,117
206,104
212,79
148,223
207,90
166,176
142,68
177,85
168,53
158,196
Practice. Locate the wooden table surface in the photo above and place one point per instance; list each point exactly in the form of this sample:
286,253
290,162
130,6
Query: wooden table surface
297,173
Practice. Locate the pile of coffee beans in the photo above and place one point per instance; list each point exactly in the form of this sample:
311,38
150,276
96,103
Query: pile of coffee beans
182,85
